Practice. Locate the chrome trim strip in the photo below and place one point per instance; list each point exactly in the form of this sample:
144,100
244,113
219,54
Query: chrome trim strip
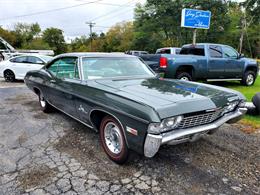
72,116
224,79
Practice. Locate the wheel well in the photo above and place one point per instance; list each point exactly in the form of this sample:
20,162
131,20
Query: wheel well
96,117
8,70
185,68
36,90
251,68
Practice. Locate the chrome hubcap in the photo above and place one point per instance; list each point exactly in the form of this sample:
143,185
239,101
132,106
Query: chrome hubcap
42,102
113,138
250,79
184,78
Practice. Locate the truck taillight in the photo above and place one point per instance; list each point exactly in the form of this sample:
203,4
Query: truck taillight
163,62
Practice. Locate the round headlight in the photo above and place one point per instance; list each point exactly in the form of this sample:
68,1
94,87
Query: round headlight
230,107
165,125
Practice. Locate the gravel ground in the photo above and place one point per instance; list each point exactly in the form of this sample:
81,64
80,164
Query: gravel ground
53,154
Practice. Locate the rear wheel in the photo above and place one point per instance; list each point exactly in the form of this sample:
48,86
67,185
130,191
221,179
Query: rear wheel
256,102
248,78
184,76
45,106
113,141
9,76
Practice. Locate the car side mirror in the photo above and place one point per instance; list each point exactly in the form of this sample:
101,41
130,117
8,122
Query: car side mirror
241,55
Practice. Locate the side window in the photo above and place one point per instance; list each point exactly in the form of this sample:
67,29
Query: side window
166,51
177,51
53,68
34,60
21,59
68,68
215,51
229,52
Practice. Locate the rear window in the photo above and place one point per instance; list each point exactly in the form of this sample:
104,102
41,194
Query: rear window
177,51
193,50
164,51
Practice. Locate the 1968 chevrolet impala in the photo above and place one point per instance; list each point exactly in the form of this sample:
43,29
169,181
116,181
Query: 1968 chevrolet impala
131,108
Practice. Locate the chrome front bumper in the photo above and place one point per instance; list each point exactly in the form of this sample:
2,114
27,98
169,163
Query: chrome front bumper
153,142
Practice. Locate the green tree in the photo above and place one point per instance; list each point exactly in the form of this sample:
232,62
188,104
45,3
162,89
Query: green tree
158,22
25,33
119,37
55,39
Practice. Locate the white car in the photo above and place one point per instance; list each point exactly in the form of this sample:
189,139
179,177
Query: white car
17,67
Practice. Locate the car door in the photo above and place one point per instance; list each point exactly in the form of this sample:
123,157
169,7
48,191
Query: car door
233,64
63,84
20,66
216,65
35,63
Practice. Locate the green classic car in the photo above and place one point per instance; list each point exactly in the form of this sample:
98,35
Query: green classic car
132,108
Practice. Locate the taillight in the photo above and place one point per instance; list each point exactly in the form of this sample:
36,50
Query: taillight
163,62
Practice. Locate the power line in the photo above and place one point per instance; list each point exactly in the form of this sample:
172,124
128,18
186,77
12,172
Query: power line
111,4
111,12
52,10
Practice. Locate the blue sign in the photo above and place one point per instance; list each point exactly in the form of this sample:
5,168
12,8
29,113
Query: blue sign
192,18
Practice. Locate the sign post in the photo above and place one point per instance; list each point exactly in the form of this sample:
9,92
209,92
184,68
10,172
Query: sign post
197,19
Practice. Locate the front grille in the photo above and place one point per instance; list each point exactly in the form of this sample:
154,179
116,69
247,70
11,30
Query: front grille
196,119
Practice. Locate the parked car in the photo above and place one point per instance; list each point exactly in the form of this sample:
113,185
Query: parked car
131,108
136,53
17,67
168,50
205,61
7,51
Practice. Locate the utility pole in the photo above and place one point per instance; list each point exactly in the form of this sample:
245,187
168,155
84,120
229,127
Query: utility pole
91,24
243,25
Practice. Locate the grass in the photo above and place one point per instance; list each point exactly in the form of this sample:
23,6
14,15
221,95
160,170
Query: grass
252,122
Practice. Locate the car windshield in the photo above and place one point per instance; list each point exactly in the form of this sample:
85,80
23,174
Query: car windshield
118,67
47,58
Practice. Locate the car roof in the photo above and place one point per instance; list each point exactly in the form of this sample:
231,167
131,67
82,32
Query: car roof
33,55
95,54
169,48
187,45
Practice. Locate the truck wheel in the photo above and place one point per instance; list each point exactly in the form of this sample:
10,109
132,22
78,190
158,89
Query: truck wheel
256,102
248,78
9,76
113,141
184,76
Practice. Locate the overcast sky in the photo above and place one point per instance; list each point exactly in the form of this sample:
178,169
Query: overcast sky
56,13
104,13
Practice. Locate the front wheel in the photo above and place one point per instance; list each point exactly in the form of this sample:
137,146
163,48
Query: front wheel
248,78
45,106
113,141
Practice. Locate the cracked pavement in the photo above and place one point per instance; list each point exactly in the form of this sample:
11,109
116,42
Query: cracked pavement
54,154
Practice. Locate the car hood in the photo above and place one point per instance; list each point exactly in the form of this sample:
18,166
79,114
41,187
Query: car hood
171,97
